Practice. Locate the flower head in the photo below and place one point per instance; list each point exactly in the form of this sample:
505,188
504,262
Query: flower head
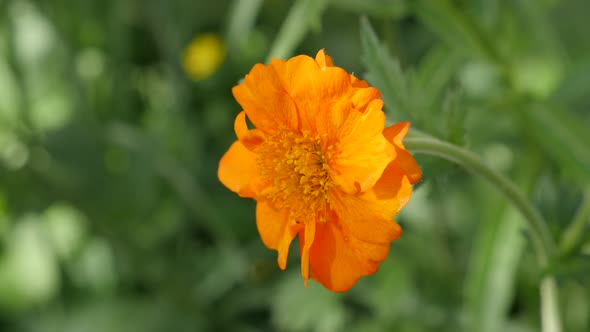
321,166
203,56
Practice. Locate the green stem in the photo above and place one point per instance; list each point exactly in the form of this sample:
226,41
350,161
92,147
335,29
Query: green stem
241,21
550,319
572,236
543,244
302,16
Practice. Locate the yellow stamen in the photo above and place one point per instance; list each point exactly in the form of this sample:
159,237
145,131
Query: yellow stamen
297,164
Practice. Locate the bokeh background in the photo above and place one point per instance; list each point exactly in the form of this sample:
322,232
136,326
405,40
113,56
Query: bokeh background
114,115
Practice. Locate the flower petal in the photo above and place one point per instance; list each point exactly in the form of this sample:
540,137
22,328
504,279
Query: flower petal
313,87
362,150
393,188
251,138
406,162
307,238
396,132
276,230
403,159
264,99
328,122
323,59
339,260
369,216
238,171
357,83
361,97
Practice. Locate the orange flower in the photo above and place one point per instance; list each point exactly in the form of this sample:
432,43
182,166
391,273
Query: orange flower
320,165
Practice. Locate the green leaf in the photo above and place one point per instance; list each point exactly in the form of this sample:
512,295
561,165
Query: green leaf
491,276
572,236
498,247
436,70
416,98
454,113
384,72
455,28
241,22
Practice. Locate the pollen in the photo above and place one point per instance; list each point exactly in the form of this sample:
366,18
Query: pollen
297,165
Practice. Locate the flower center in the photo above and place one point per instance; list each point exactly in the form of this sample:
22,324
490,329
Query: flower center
297,165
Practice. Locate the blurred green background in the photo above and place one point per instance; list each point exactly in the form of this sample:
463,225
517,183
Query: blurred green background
114,115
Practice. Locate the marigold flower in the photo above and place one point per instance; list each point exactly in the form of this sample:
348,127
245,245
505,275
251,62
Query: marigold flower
321,165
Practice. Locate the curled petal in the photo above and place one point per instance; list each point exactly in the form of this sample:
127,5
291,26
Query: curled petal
276,230
361,97
403,158
396,132
408,165
306,239
239,172
338,260
265,101
323,59
250,138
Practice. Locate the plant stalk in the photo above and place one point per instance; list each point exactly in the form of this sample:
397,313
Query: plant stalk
542,241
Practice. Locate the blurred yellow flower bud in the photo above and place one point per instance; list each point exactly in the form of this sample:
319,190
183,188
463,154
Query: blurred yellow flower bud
203,56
